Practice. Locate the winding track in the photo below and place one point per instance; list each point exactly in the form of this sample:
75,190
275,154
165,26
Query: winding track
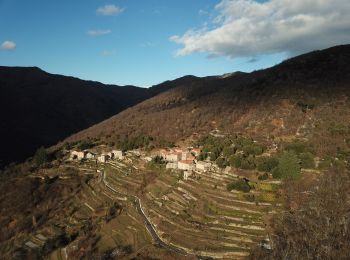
149,225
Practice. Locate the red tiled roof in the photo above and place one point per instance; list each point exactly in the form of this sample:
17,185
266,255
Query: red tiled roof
186,161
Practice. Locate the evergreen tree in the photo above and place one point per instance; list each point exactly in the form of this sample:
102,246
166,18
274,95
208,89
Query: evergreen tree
289,166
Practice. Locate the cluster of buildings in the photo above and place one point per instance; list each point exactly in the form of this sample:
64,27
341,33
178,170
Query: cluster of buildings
175,158
103,157
184,159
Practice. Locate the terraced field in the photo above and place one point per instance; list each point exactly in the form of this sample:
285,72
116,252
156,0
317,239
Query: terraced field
199,215
126,230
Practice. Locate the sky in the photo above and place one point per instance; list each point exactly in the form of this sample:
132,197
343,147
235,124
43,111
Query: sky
145,42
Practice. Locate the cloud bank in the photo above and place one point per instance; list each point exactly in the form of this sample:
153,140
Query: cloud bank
109,10
247,28
8,45
95,33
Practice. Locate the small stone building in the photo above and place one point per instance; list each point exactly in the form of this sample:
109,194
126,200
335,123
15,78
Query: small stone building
76,155
171,165
203,166
103,158
185,165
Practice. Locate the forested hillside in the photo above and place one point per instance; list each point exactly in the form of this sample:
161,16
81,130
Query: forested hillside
306,97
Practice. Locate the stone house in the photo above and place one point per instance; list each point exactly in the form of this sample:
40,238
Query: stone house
171,165
203,166
118,154
88,155
103,158
75,155
185,165
173,157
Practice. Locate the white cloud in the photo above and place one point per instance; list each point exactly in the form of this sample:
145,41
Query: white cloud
109,10
95,33
8,45
246,28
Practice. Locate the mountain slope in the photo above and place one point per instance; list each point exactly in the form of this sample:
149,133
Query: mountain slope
305,97
40,109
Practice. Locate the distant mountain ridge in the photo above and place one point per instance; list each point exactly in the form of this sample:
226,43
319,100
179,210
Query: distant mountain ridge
305,97
40,109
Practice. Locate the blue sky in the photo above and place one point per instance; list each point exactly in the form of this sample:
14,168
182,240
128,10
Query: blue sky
141,42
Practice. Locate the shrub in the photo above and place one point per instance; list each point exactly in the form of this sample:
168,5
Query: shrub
41,156
202,156
228,151
215,153
240,185
267,164
253,149
158,160
221,162
276,174
307,160
263,177
236,161
289,166
248,163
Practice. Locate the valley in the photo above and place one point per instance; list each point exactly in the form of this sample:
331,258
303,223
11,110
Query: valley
233,167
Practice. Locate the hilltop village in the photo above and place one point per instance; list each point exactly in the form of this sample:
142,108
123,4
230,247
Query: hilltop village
184,159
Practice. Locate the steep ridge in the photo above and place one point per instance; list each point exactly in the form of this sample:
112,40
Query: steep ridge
40,109
305,97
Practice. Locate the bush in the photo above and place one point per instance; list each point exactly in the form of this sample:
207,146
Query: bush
263,177
202,156
236,161
289,166
276,174
215,153
307,160
228,151
158,160
41,156
248,163
253,149
221,162
267,164
240,185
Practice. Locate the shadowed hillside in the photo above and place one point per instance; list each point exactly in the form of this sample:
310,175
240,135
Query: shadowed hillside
40,109
305,97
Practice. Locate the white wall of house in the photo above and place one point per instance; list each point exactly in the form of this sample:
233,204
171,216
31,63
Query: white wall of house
89,155
171,165
117,154
185,165
103,158
203,166
187,174
77,155
185,155
173,157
